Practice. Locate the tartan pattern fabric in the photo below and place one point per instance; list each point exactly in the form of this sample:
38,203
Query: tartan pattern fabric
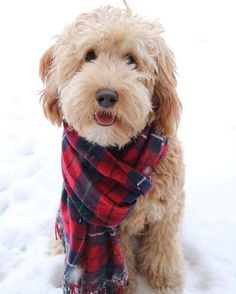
101,186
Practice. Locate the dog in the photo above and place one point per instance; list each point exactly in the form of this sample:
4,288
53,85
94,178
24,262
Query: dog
109,74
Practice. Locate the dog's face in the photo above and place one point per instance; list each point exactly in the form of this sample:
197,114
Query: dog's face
108,75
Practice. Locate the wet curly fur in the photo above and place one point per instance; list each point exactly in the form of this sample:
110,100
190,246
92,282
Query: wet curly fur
130,56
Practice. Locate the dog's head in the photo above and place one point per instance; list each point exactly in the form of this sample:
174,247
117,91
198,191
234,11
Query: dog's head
109,74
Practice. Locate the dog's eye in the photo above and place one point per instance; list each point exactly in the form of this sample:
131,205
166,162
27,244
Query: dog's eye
130,60
91,55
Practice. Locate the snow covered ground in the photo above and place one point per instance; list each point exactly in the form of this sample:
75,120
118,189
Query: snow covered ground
202,35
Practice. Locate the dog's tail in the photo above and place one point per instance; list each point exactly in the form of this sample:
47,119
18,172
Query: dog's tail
127,7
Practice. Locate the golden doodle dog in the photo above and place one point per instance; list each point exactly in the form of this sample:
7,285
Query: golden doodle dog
109,74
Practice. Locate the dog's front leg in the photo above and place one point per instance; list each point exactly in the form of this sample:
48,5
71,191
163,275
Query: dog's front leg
160,258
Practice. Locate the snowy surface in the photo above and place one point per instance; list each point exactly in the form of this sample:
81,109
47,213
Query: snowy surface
201,33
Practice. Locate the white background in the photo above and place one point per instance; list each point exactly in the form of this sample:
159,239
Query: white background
202,36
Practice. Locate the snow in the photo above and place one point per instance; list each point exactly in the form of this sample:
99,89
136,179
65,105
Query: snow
202,35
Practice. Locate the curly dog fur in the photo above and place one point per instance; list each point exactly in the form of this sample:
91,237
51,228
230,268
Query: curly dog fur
129,55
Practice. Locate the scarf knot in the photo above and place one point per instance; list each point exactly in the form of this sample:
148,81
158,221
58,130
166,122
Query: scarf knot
101,187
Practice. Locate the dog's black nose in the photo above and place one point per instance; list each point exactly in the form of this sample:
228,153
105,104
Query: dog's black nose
106,97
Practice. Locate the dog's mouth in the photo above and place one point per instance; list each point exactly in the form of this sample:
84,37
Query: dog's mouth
104,118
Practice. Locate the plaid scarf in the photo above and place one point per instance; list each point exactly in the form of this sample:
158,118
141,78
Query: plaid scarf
101,186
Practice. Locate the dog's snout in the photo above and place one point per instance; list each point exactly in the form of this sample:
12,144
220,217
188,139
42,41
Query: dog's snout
106,97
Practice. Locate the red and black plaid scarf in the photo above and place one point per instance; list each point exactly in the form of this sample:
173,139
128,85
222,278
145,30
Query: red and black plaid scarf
101,186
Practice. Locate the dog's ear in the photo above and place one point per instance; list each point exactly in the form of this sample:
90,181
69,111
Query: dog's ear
49,95
166,105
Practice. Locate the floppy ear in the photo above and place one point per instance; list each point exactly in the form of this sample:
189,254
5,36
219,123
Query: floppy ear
49,95
167,107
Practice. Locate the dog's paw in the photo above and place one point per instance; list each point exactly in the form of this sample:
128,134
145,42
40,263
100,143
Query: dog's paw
167,284
168,291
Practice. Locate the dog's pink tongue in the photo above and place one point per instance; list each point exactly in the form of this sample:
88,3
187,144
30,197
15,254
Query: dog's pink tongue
104,118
